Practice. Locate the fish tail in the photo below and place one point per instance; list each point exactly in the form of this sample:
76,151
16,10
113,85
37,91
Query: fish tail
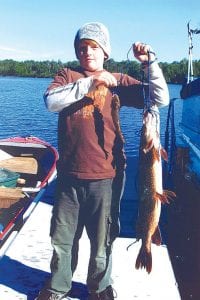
144,260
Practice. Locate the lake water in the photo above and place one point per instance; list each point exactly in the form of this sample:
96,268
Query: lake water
23,112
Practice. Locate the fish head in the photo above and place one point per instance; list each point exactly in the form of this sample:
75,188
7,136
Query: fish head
150,130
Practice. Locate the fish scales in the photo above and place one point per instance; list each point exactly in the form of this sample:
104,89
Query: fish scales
151,193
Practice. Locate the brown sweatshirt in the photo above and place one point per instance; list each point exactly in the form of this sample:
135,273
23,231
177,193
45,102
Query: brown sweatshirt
90,143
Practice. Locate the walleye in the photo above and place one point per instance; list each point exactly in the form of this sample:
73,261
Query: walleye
151,193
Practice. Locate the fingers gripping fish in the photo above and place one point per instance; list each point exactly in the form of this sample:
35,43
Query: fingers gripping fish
151,193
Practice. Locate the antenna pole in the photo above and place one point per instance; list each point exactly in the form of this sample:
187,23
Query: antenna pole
190,76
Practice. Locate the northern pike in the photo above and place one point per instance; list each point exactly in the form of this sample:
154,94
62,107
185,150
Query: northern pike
151,193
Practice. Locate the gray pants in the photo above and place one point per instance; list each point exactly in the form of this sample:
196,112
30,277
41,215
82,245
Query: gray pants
95,206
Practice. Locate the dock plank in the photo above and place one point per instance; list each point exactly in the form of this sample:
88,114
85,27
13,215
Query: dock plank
25,266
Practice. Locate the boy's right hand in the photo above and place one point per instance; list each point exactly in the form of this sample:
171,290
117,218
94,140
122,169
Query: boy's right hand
104,78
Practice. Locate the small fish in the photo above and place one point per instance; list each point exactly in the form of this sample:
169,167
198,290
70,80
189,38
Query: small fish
151,193
115,115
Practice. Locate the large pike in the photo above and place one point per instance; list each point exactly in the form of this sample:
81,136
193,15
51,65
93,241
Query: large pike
151,193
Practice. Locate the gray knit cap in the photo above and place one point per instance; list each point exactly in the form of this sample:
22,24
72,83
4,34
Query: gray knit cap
97,32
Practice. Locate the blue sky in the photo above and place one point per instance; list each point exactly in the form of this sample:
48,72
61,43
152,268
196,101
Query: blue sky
45,29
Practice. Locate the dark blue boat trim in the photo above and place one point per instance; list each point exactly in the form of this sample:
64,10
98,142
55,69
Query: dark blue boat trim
190,89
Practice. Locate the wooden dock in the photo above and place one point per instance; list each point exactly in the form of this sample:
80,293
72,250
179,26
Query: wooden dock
25,265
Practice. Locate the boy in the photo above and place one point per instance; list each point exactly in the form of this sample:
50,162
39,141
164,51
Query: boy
91,158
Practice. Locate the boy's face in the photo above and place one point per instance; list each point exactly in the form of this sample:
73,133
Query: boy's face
91,55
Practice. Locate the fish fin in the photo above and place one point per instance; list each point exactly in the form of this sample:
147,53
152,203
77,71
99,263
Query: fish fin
156,237
162,197
148,147
166,196
170,194
144,260
164,154
157,155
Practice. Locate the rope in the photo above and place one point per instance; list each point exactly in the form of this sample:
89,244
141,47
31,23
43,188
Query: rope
147,98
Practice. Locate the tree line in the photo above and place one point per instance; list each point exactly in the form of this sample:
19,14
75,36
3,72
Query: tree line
174,72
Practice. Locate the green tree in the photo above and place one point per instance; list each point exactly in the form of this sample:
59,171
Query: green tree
174,72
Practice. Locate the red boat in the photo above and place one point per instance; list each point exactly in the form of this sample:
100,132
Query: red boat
27,167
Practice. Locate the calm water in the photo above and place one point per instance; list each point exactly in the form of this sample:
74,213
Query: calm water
23,112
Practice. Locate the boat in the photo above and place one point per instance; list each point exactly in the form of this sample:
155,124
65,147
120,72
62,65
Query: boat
183,175
27,167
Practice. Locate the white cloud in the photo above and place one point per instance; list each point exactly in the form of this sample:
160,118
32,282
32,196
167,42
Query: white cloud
22,54
13,50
